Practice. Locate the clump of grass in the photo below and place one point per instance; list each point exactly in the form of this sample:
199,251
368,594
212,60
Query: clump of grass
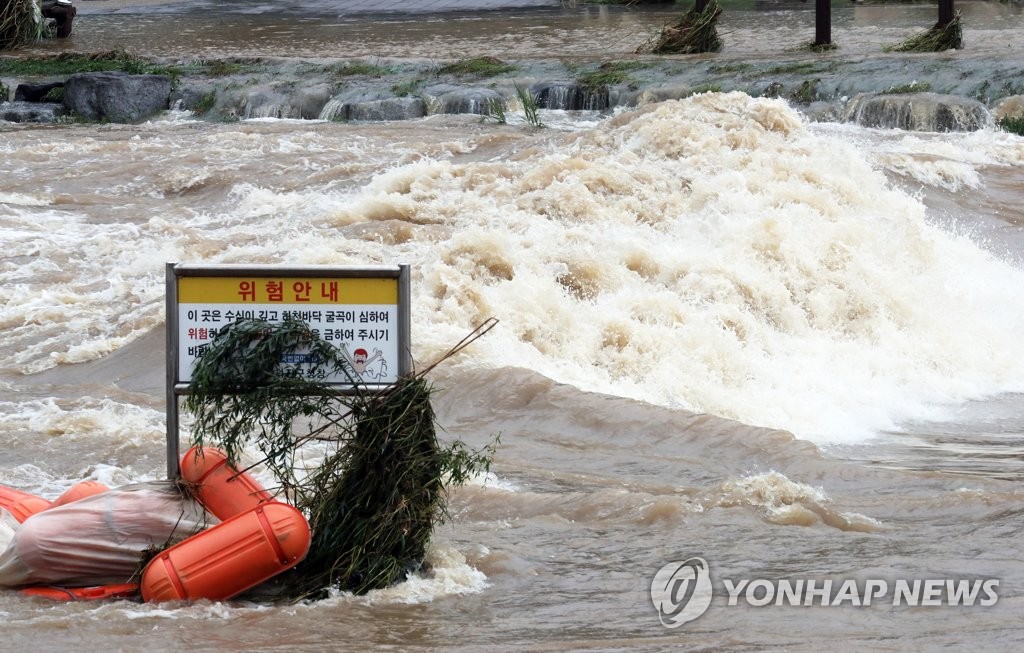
695,31
531,111
494,109
937,39
705,88
21,22
478,67
353,68
55,94
807,92
607,74
68,63
220,67
408,87
912,87
382,478
224,68
799,68
205,103
1012,124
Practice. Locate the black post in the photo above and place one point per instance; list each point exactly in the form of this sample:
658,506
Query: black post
823,22
945,12
700,5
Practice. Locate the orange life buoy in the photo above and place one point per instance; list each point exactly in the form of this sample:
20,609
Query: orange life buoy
80,491
223,490
119,591
229,558
21,505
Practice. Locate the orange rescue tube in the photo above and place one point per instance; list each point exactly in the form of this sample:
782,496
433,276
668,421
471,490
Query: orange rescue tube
80,491
223,490
229,558
21,505
119,591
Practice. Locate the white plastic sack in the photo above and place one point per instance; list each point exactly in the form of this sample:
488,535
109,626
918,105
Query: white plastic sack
100,539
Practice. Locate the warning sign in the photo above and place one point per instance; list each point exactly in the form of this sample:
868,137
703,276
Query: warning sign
360,316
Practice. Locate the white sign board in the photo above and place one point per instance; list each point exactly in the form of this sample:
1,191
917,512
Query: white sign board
364,312
358,316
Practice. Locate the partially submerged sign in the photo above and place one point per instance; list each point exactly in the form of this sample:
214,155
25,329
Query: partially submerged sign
363,311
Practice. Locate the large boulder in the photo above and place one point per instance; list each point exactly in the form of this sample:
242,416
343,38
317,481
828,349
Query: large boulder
116,97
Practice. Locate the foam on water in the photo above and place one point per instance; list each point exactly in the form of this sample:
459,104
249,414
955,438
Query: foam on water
783,501
713,254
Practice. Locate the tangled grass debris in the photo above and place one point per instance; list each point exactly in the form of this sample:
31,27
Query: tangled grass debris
938,38
366,468
21,23
695,31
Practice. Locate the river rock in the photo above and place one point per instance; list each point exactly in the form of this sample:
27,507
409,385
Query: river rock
30,111
116,97
917,112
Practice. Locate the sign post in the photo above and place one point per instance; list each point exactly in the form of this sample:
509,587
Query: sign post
363,311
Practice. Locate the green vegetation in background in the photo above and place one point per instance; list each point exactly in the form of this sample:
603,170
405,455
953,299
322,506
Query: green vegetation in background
69,63
730,68
608,74
807,92
705,88
408,87
353,68
478,67
205,103
55,94
800,68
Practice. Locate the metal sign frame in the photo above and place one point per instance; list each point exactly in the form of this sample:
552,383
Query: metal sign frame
175,272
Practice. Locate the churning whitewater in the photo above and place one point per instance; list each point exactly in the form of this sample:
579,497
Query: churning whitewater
716,254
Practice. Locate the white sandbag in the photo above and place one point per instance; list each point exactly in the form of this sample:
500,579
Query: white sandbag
100,539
